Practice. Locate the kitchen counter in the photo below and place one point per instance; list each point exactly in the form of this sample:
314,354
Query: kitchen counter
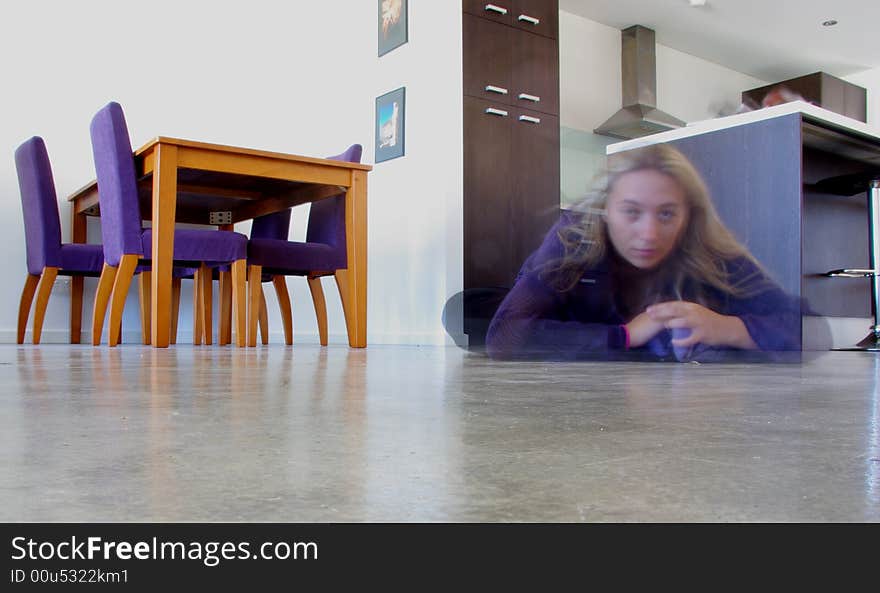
822,125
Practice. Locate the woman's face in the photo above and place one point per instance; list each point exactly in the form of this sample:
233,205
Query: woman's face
646,216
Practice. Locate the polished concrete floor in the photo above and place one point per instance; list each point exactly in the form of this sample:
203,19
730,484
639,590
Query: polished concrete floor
304,434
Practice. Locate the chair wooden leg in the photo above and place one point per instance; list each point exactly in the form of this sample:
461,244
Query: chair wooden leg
225,308
102,297
44,289
175,308
206,302
144,299
280,283
264,317
24,305
127,266
198,317
341,277
255,287
320,307
239,301
76,308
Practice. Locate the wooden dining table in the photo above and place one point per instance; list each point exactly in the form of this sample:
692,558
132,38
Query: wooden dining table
184,181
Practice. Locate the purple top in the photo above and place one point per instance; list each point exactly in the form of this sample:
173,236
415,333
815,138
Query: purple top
536,320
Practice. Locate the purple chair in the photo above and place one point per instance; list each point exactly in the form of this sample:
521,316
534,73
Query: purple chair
126,243
272,257
47,256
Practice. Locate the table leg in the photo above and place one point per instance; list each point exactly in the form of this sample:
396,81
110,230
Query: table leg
164,210
225,298
353,281
78,229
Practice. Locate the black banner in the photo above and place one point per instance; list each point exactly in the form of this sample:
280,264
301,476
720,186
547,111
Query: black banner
61,554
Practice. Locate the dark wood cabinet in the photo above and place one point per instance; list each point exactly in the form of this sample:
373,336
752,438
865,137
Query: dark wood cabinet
534,158
509,66
824,90
486,48
535,16
511,188
487,193
511,141
498,12
535,73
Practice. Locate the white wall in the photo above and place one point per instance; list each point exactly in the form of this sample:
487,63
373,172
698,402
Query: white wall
870,80
297,77
589,72
694,89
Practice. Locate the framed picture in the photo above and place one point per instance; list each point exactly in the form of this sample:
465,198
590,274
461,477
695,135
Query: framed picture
390,124
392,25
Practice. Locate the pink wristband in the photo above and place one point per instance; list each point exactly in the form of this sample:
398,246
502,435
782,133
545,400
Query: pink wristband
626,333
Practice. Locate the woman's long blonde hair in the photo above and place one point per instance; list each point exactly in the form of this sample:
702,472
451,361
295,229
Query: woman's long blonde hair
703,250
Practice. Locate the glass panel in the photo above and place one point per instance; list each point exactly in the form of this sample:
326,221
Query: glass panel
581,156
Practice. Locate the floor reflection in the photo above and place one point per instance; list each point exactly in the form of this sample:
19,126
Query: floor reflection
430,434
872,475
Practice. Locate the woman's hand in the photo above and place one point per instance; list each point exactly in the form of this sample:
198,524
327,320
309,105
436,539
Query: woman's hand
641,329
707,326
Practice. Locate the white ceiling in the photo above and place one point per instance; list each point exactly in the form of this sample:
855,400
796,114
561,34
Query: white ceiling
772,40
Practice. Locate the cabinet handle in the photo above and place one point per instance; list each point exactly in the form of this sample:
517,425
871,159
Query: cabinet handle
496,89
498,9
528,19
526,97
493,111
530,119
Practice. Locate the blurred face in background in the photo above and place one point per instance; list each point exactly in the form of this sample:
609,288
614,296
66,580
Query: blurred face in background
646,216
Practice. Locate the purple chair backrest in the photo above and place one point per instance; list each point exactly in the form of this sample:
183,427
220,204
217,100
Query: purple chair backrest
39,204
326,217
272,226
117,185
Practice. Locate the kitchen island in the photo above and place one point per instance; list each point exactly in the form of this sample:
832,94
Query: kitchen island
762,169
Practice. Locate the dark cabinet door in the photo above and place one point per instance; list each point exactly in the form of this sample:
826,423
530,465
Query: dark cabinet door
511,188
498,10
487,194
486,51
535,73
505,65
534,204
511,144
536,16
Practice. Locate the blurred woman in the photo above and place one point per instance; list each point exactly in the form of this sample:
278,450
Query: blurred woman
643,265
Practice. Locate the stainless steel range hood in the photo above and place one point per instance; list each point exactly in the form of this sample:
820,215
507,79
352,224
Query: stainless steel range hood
639,115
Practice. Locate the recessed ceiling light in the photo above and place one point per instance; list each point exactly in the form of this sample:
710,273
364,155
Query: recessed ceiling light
697,2
829,23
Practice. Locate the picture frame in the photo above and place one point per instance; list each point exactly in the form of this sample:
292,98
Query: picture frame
393,27
390,125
